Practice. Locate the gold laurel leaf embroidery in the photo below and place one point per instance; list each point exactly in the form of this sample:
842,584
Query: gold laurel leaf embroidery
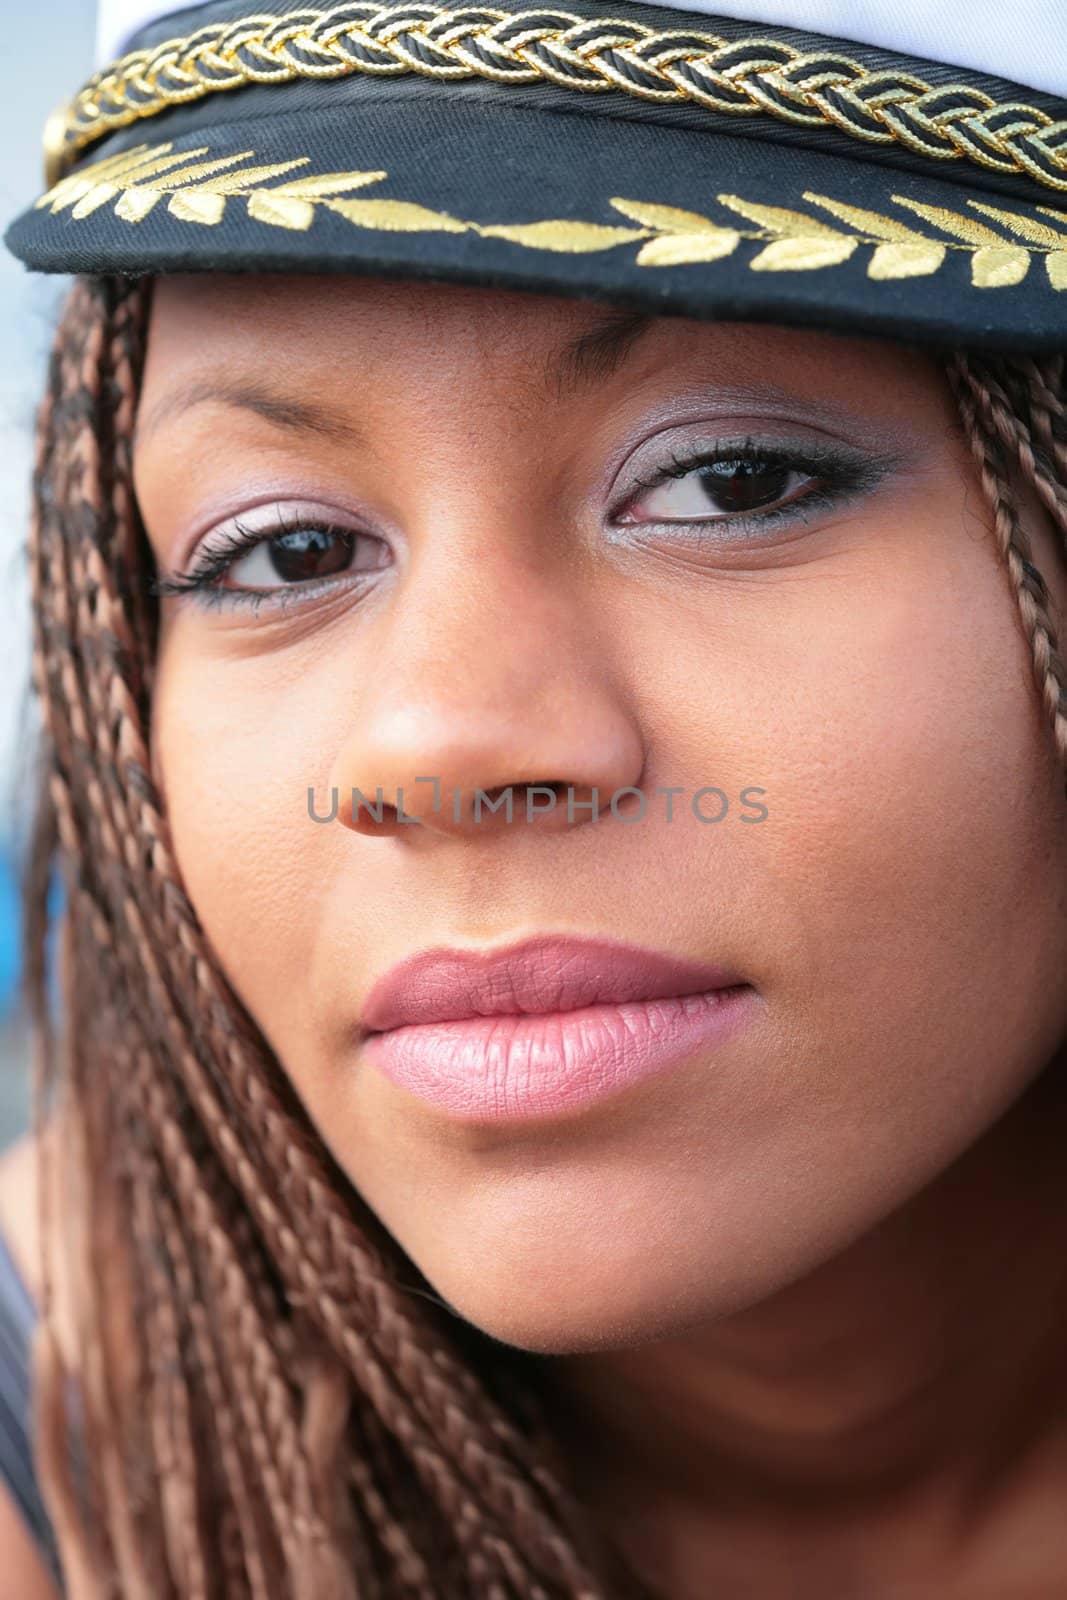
197,205
678,249
197,190
281,210
801,255
135,177
75,182
71,188
146,158
906,260
65,193
965,228
1023,227
204,169
887,228
325,184
998,267
666,219
247,177
787,224
74,196
97,196
138,165
573,238
396,216
135,204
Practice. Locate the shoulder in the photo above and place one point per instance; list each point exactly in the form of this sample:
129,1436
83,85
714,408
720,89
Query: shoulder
21,1170
19,1177
23,1567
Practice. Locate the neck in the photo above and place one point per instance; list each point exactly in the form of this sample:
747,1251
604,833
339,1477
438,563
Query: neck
924,1363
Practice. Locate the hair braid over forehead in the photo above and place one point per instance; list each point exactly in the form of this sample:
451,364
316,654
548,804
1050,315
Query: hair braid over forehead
261,1409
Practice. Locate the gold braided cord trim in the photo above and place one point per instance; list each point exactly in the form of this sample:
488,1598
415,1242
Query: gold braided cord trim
199,191
759,75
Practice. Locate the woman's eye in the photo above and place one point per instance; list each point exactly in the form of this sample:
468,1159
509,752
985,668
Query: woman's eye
302,555
722,488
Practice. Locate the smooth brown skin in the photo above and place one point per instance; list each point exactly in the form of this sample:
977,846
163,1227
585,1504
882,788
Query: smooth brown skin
806,1296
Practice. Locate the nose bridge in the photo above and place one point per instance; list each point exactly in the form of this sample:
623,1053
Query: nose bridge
487,679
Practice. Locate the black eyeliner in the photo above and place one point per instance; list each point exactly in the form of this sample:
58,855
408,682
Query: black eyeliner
846,474
843,465
212,564
204,577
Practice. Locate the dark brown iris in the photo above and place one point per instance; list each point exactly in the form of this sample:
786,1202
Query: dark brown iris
306,553
744,485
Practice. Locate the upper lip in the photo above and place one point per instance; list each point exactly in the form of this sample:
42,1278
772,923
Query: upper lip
543,974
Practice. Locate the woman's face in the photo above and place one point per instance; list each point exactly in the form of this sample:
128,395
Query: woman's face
503,554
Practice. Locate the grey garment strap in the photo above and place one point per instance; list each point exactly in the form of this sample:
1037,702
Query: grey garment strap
18,1315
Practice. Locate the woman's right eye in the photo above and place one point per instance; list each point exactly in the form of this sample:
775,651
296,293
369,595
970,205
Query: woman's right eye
262,565
302,555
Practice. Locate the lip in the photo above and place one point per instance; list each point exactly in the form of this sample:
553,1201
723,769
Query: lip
544,1026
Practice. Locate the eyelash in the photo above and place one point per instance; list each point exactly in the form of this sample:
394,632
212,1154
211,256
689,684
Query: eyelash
842,476
203,580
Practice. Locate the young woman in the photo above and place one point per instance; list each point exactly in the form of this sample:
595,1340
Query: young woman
547,604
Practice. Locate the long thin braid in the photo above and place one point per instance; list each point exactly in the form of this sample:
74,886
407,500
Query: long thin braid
995,437
1048,385
1009,414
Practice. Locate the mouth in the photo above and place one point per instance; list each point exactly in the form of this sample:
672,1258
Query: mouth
546,1026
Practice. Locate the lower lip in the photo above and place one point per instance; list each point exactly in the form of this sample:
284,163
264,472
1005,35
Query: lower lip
520,1067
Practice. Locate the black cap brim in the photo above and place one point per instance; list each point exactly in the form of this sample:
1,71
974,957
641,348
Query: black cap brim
493,185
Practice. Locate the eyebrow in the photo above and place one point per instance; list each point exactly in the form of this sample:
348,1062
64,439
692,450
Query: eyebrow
299,415
590,357
598,351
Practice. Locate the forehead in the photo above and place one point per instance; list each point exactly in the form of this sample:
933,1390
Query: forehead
319,310
314,324
325,349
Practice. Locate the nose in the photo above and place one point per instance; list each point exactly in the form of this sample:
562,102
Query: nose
497,706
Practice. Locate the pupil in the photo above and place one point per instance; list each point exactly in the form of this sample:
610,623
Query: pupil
309,553
743,485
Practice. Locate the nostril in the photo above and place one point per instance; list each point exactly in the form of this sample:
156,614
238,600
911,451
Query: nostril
558,787
524,800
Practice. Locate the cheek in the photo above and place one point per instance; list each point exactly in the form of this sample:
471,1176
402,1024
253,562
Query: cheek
908,876
910,910
237,742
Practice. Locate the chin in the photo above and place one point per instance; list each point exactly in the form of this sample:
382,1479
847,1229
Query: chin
588,1300
574,1328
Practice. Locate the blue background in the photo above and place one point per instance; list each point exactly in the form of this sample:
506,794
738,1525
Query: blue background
48,54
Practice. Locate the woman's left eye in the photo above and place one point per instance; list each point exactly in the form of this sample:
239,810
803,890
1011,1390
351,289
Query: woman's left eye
726,487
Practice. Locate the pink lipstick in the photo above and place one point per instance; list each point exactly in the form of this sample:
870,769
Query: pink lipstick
546,1026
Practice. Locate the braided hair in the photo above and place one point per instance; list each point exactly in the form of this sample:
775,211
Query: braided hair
269,1400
